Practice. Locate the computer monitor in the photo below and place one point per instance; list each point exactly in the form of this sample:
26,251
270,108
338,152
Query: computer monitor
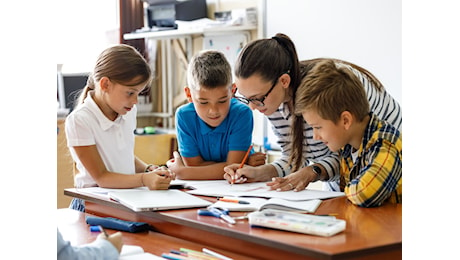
69,87
164,13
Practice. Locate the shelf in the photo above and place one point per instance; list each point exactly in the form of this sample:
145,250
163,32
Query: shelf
172,50
180,33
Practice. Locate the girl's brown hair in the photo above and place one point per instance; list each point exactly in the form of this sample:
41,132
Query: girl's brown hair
121,64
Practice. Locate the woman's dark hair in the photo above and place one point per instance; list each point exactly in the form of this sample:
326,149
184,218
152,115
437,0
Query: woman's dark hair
269,58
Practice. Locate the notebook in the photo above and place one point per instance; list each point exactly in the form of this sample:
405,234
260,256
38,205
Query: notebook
255,204
152,200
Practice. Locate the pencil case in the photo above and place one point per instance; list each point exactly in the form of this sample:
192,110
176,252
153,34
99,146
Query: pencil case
117,224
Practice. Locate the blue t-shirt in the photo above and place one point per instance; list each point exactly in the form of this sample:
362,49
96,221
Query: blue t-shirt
196,138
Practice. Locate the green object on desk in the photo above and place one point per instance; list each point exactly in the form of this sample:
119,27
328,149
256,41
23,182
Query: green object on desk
149,130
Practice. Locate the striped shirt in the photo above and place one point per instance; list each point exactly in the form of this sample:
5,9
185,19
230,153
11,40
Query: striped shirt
381,104
376,174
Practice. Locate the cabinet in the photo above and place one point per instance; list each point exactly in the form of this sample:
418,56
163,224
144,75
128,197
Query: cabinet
64,166
156,148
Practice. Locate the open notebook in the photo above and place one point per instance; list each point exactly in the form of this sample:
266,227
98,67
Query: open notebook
255,204
152,200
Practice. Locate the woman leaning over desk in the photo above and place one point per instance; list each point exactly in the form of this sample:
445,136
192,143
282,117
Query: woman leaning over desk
268,84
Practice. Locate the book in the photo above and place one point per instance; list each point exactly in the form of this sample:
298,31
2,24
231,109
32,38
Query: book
258,204
131,252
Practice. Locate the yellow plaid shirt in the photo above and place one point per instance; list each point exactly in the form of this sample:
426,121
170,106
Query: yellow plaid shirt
376,175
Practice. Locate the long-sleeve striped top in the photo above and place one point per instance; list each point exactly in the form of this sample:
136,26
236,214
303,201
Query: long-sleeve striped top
381,104
376,174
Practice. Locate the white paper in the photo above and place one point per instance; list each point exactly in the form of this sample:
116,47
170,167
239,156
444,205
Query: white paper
131,252
257,189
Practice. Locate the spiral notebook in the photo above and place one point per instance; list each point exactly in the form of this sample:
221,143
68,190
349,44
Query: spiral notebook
153,200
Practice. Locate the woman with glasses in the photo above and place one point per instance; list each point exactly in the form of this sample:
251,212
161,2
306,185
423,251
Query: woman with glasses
268,73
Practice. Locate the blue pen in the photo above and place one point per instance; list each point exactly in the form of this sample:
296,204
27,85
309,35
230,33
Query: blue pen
173,256
215,212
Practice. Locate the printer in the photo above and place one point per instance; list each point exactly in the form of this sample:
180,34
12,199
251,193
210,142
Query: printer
164,13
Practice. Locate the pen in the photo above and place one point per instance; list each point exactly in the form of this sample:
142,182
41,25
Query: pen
178,252
244,160
173,256
233,200
198,255
103,230
222,215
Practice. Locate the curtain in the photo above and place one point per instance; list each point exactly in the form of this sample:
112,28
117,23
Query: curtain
132,18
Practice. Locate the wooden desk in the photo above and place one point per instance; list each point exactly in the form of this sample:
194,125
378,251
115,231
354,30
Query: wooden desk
371,233
73,227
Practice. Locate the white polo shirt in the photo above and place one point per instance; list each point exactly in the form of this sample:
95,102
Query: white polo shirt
87,125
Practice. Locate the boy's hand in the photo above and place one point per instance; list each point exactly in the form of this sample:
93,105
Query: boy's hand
257,159
176,163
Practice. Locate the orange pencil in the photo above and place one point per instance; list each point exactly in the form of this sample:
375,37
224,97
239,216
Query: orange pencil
245,156
244,159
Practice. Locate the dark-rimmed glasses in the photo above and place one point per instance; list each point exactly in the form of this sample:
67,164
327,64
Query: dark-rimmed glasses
259,101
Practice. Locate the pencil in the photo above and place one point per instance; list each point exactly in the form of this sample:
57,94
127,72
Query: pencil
244,160
245,157
103,230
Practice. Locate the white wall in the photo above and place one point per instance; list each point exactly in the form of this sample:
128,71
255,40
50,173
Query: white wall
364,32
367,33
83,29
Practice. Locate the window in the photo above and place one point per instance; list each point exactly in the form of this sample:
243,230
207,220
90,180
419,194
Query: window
83,29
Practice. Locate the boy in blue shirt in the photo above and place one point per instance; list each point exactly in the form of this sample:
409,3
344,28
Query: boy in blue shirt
213,130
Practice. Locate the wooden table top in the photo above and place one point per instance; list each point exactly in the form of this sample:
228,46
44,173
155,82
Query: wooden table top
370,233
73,227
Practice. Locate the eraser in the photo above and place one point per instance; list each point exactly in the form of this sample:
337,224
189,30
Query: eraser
95,229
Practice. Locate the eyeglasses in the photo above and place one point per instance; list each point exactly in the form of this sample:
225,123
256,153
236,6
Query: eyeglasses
259,101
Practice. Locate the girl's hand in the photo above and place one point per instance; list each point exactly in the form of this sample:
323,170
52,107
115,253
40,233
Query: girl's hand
175,164
158,179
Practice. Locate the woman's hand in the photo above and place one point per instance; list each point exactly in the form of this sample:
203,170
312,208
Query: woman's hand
296,181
